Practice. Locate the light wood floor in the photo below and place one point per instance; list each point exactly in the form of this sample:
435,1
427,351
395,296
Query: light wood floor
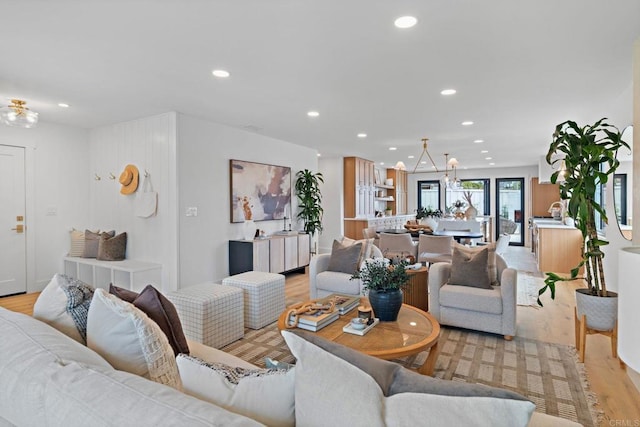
619,399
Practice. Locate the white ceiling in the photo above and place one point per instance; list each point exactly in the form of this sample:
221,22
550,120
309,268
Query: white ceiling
520,67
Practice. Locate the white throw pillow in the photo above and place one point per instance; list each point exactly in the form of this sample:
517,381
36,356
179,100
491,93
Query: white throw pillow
62,300
325,382
129,340
265,395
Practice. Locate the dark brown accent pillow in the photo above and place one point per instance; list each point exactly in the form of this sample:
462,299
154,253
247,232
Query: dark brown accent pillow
122,293
344,259
160,310
112,249
470,269
92,241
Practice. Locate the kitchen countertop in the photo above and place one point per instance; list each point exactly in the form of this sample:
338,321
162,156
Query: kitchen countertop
551,223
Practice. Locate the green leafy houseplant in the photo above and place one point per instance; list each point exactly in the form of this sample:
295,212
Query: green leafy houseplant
310,198
423,212
589,159
378,275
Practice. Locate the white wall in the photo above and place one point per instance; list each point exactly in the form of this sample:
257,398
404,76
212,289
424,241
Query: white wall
526,172
204,151
150,144
56,169
332,201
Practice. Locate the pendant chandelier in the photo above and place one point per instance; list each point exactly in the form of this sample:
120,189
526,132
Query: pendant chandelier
450,164
18,115
452,183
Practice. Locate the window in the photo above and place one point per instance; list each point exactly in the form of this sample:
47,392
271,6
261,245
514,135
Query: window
479,189
429,195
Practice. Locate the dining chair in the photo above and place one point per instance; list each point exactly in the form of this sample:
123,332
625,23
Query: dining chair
397,245
371,233
434,248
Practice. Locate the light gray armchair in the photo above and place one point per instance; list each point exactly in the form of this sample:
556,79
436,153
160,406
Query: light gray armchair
489,310
323,282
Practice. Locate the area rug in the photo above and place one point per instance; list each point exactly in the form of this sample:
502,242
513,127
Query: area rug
548,374
528,286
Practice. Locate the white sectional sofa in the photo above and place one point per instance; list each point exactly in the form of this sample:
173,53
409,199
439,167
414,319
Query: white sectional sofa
48,379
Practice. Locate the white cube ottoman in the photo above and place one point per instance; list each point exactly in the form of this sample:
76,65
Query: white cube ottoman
263,296
212,314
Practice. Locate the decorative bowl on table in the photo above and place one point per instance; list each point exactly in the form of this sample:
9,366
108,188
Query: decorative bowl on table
358,323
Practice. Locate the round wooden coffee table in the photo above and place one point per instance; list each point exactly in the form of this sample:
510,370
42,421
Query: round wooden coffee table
413,332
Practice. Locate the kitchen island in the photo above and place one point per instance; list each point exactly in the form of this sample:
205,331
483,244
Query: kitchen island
557,246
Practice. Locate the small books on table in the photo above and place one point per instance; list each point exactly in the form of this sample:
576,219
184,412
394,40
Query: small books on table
348,329
344,303
317,321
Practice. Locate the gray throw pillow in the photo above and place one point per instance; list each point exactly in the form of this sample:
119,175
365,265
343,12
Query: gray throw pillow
92,241
344,259
112,248
470,269
393,378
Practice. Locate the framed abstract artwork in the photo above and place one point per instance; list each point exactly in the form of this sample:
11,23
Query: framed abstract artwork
259,192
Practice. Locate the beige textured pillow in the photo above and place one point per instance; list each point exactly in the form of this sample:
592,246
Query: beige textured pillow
367,245
77,243
129,340
491,258
112,249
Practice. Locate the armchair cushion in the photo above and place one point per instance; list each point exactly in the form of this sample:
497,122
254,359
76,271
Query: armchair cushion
345,259
474,299
470,269
334,282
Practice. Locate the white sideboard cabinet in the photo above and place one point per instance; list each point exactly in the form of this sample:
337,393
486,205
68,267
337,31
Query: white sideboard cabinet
128,274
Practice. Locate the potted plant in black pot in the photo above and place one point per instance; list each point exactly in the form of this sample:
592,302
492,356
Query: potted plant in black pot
384,281
589,159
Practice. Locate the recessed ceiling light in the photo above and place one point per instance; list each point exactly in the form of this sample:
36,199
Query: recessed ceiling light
220,73
424,162
411,157
381,163
491,164
467,123
488,158
484,151
405,22
479,141
63,105
448,92
313,114
393,148
362,135
319,155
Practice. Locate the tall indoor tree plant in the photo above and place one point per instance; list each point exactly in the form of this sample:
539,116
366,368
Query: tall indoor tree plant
589,160
310,200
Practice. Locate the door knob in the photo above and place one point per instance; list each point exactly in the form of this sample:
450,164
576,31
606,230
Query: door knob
19,228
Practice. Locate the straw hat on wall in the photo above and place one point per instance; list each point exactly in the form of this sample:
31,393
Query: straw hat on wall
129,179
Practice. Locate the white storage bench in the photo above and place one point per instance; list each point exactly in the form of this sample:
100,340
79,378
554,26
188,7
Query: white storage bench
210,313
263,296
129,273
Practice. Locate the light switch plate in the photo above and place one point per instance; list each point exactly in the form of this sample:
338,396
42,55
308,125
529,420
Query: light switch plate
192,211
52,211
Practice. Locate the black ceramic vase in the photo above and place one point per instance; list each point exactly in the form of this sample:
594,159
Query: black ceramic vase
386,305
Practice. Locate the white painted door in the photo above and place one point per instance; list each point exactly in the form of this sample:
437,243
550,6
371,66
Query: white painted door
12,229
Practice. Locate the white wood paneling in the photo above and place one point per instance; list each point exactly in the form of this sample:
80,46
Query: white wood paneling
149,144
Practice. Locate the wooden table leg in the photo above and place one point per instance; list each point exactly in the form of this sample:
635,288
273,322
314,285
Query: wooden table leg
430,364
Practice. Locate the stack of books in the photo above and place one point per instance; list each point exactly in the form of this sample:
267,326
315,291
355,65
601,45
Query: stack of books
315,322
344,303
